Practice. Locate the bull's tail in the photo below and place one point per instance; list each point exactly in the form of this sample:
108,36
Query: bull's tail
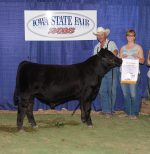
17,89
75,109
16,98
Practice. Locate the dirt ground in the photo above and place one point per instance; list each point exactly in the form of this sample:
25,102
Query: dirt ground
145,110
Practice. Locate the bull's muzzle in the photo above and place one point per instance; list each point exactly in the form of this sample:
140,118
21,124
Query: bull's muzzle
118,61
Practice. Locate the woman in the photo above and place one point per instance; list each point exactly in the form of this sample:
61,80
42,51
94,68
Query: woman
148,73
131,50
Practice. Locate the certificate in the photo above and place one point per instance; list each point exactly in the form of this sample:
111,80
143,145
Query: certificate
130,70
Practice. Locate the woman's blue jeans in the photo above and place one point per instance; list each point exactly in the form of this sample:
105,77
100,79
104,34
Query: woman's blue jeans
107,91
131,100
148,85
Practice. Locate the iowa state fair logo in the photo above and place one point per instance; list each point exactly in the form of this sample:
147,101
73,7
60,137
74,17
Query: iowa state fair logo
60,25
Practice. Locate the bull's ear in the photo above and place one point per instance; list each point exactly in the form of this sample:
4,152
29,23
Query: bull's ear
101,52
98,53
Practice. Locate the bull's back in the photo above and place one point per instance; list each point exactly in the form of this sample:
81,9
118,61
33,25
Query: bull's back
49,82
54,82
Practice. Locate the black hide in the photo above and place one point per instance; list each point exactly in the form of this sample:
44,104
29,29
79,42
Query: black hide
56,84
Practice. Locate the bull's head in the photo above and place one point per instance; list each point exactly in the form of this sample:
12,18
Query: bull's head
109,59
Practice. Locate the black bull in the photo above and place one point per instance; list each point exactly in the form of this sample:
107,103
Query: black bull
56,84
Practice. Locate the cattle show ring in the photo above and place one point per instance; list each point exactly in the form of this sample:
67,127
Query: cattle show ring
75,77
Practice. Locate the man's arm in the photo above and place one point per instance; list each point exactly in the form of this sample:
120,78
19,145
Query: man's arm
114,48
115,52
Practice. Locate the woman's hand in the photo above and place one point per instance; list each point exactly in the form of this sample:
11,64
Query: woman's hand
124,56
135,56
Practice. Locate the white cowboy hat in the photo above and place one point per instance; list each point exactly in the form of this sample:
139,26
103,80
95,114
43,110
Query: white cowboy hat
101,29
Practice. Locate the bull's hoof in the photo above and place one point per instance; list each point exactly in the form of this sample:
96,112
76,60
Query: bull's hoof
83,121
90,126
21,130
35,127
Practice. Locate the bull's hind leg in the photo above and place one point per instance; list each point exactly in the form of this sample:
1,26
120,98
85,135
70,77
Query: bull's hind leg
20,116
85,113
30,115
83,119
87,107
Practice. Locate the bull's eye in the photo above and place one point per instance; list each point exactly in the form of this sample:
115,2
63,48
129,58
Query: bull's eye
111,61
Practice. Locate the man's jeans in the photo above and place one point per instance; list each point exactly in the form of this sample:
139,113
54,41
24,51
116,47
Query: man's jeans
107,91
148,85
131,100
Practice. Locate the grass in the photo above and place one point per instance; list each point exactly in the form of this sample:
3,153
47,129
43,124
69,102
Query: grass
64,134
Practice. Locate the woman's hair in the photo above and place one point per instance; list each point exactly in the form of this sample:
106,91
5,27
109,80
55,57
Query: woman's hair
130,31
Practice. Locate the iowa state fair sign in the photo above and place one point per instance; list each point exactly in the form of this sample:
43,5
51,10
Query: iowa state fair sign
60,25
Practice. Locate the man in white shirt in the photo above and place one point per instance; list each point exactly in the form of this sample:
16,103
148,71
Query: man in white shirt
108,87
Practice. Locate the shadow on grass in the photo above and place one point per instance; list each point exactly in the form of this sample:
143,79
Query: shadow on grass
55,123
13,129
8,128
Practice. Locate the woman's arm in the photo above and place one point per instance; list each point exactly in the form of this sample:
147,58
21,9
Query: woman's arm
148,58
122,55
140,55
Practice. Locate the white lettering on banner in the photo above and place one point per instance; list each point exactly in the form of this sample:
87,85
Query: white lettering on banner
60,25
129,71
